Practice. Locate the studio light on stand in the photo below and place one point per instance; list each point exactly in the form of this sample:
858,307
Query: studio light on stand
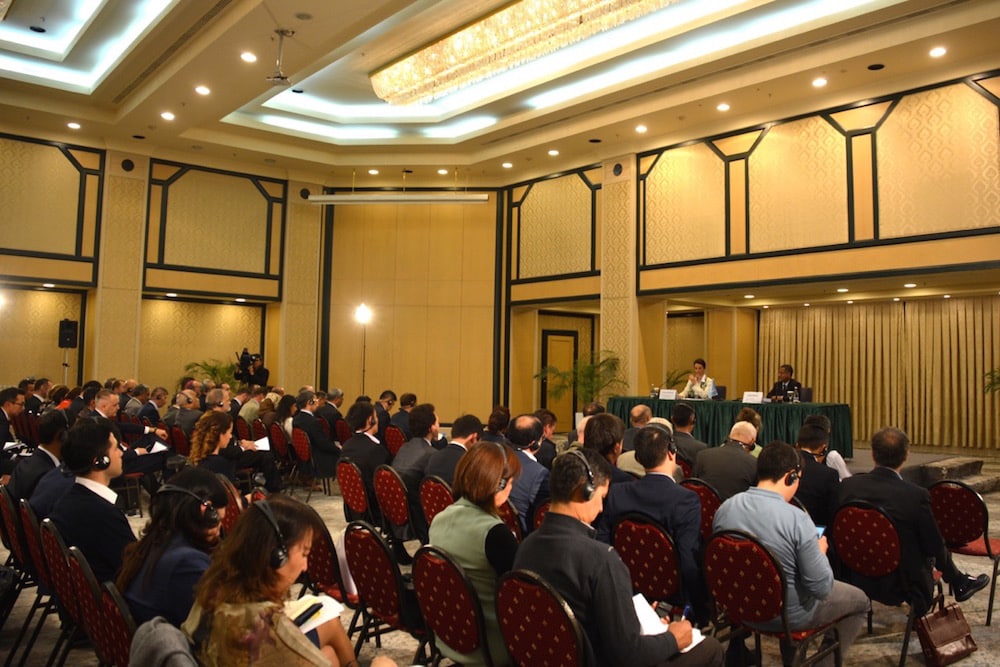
363,315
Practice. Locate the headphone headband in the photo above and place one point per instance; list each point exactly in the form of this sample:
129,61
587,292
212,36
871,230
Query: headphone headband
502,482
588,486
279,555
205,505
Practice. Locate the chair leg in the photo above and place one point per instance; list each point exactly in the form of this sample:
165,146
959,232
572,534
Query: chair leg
993,592
910,618
35,606
47,610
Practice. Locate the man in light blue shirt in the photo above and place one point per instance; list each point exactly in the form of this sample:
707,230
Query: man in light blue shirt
813,597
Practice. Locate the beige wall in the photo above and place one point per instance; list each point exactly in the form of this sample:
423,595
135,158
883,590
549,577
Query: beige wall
29,328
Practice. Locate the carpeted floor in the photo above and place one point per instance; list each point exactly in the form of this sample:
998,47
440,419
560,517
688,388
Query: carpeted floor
880,648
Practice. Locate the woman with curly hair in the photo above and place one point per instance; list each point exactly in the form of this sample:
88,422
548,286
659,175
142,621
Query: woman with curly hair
211,435
160,571
238,617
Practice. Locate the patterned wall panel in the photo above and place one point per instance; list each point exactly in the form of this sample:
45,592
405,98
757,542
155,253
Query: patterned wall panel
939,163
216,221
798,187
555,228
124,206
685,206
618,307
31,338
177,332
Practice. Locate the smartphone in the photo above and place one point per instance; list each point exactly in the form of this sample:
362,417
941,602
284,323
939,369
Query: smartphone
819,531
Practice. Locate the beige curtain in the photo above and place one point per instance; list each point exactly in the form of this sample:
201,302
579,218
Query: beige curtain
916,365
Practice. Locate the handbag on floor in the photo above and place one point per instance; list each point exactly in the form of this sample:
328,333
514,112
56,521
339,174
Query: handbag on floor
944,635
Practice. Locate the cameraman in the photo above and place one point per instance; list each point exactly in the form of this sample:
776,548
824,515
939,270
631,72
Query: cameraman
254,372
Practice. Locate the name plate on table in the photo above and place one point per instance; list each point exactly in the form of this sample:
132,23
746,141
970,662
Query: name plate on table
753,397
668,394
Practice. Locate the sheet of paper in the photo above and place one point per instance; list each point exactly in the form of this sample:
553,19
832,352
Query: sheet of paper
263,445
650,623
331,610
157,447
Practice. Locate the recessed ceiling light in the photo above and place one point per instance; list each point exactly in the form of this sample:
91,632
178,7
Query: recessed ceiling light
895,298
938,51
553,152
748,296
240,299
48,285
947,296
202,90
641,129
819,82
172,295
849,301
167,115
766,307
248,57
73,126
806,305
373,172
443,172
507,165
909,285
723,107
874,67
842,290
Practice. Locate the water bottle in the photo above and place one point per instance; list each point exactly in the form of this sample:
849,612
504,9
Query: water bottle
795,397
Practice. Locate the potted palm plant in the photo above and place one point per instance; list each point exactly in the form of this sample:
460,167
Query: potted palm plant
592,379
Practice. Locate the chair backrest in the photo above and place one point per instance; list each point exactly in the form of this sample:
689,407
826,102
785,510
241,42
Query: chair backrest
258,429
806,394
242,428
375,573
118,625
325,425
300,445
435,496
56,555
26,425
449,603
745,578
343,430
865,539
553,637
960,513
648,552
33,541
12,527
352,488
323,568
720,392
394,439
510,518
88,596
540,513
390,492
685,465
234,507
180,441
279,440
710,502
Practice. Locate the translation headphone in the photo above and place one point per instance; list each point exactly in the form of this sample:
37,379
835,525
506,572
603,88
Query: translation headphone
279,555
208,511
502,482
794,475
102,463
588,487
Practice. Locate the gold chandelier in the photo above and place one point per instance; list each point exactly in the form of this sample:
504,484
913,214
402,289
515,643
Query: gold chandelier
519,33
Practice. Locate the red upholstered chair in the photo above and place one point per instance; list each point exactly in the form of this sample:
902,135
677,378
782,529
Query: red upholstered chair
964,521
510,518
394,439
258,429
119,626
45,600
435,495
180,441
88,595
539,515
323,574
19,558
352,488
648,552
710,502
389,605
26,425
234,507
390,492
279,446
242,428
538,627
303,456
343,431
449,603
56,558
325,425
686,467
866,542
748,584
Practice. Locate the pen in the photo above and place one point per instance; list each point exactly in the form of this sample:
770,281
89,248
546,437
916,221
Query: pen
310,611
686,614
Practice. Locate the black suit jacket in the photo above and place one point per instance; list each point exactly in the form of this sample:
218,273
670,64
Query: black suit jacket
96,527
909,506
818,489
367,455
27,473
444,461
778,390
331,415
32,404
324,453
5,432
401,420
688,447
546,453
151,412
728,468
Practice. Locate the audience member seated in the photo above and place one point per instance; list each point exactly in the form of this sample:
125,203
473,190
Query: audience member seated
11,405
812,597
470,531
909,507
37,400
592,578
748,414
212,434
86,516
324,452
138,458
729,468
531,488
251,408
496,425
327,413
160,571
238,616
603,434
833,458
547,450
151,408
411,460
243,453
589,410
136,399
699,385
682,417
383,408
268,412
465,432
363,448
401,419
186,414
52,427
285,412
818,484
675,508
638,417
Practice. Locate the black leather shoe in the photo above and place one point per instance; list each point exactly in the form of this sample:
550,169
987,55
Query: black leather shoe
969,586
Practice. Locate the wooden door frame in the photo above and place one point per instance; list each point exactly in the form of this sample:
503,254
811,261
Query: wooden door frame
543,382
